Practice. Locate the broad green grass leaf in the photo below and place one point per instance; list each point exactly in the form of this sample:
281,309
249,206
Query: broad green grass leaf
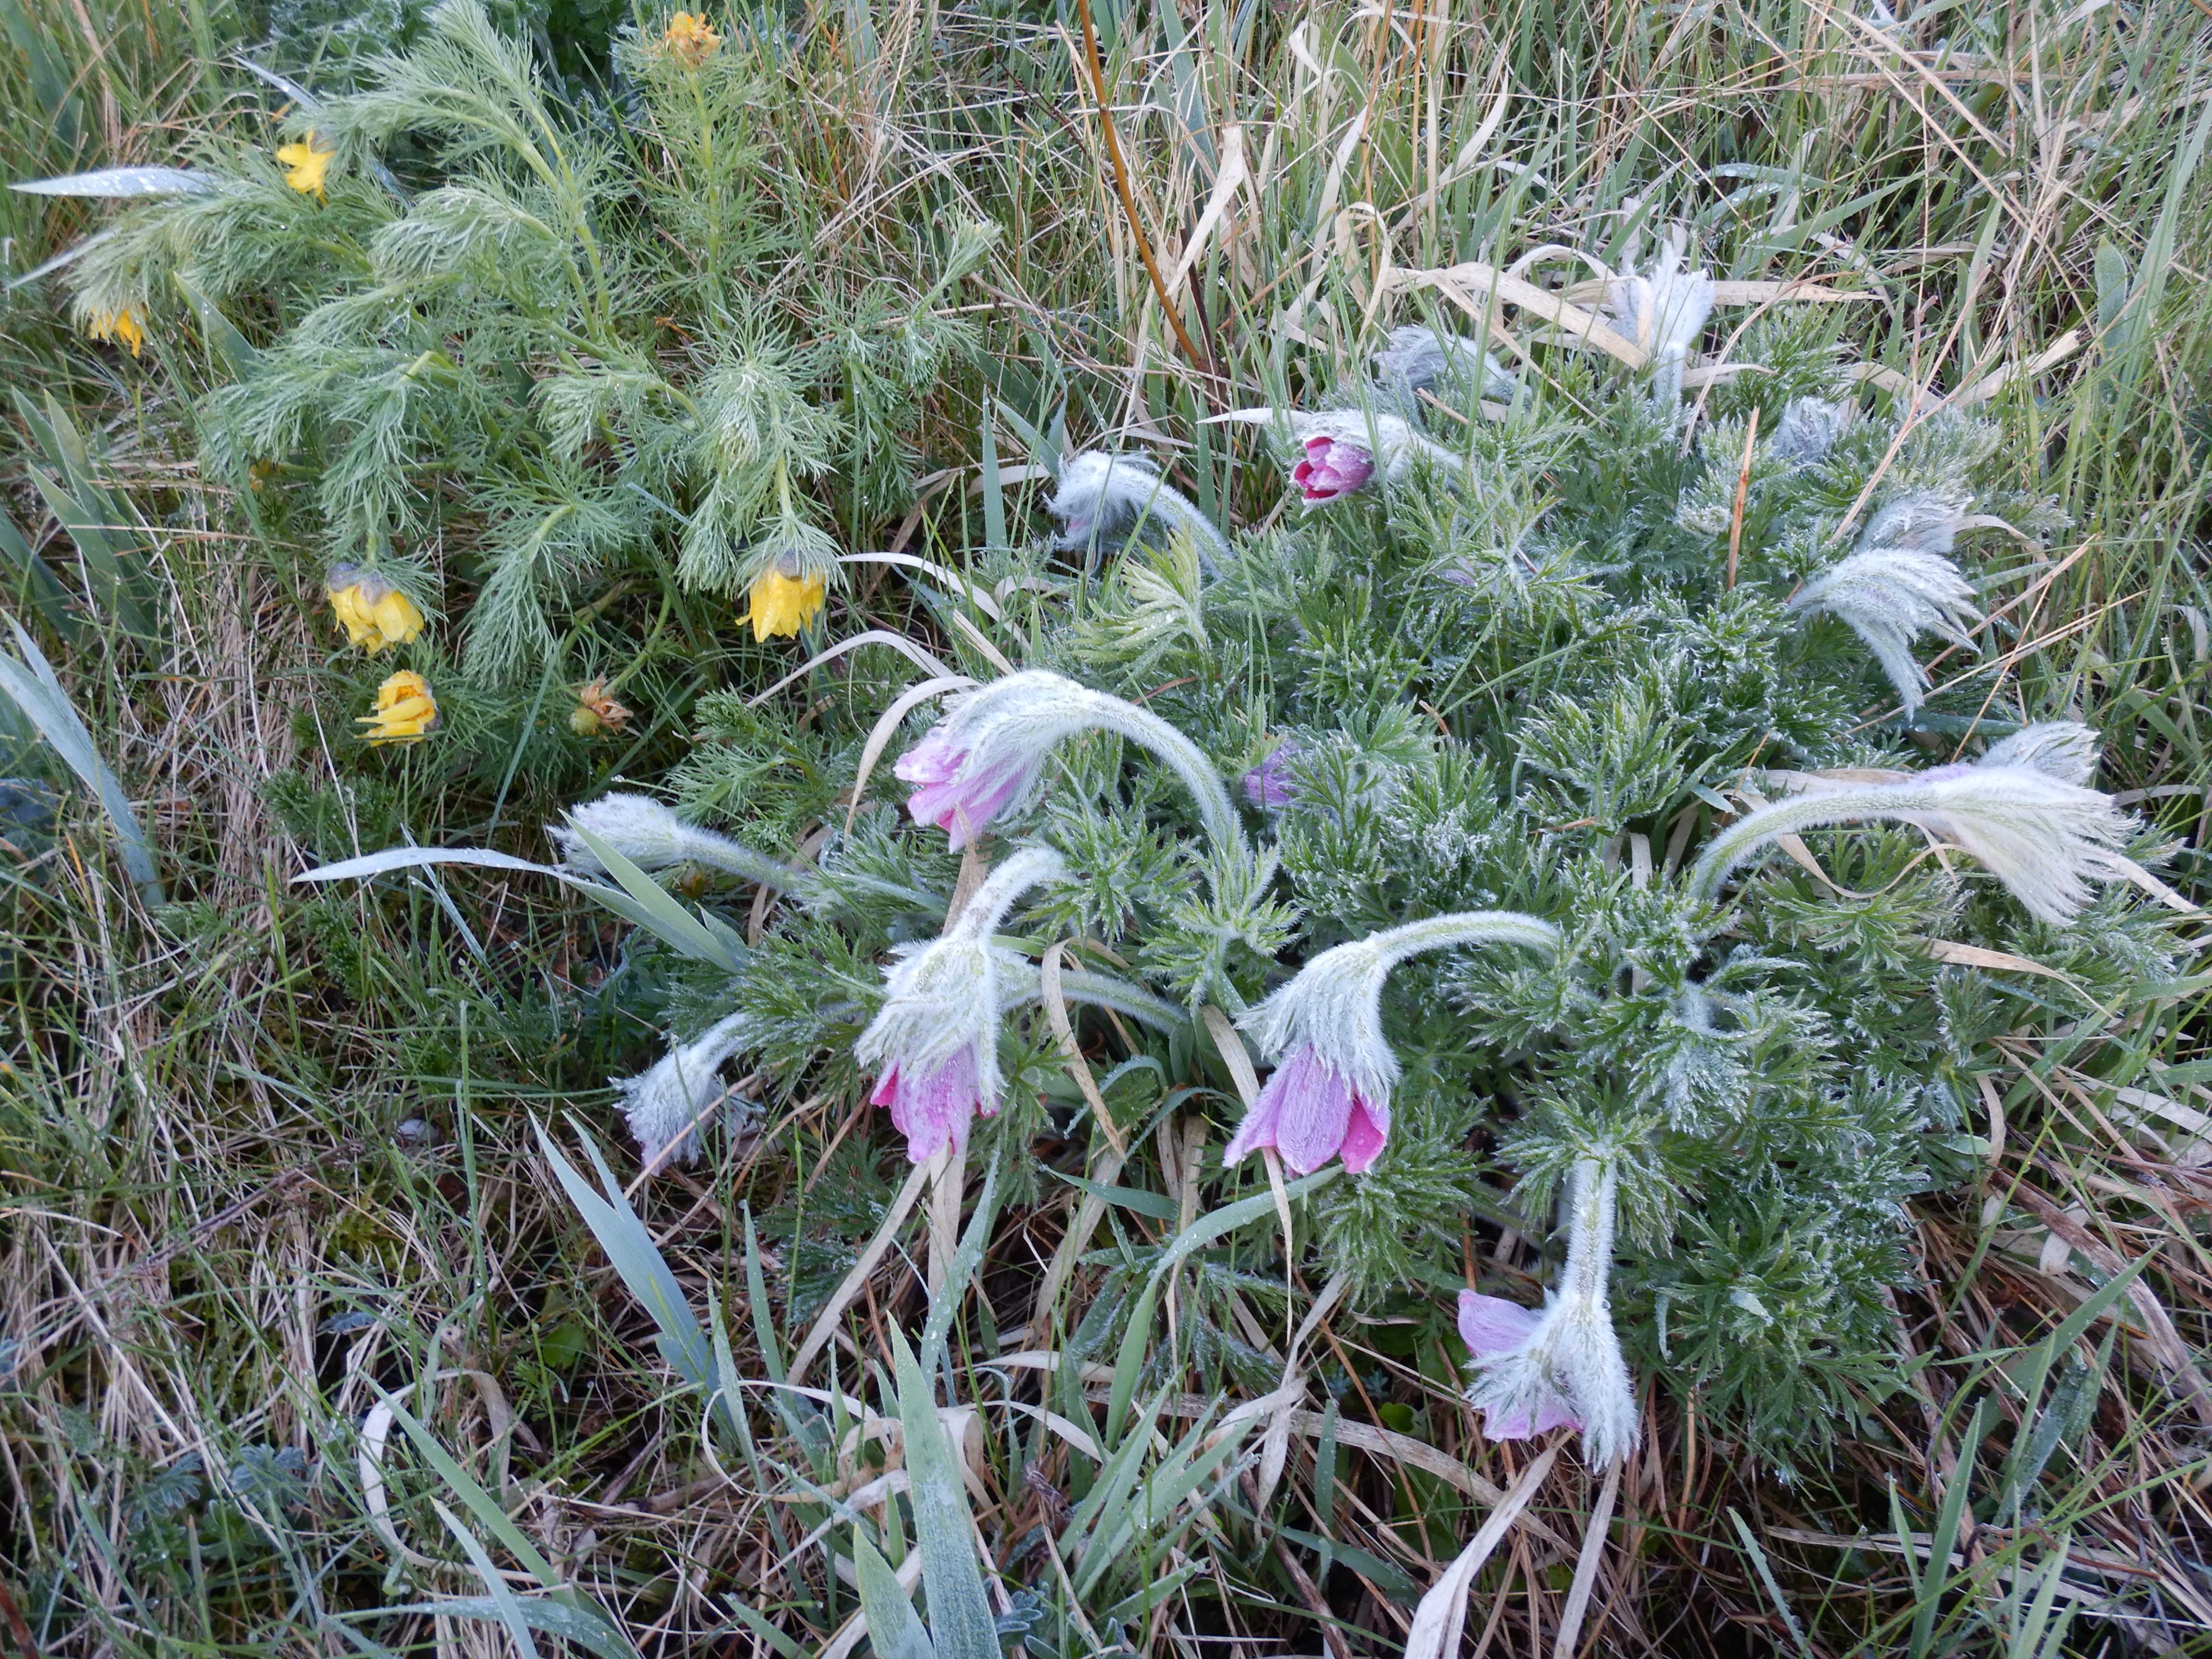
961,1625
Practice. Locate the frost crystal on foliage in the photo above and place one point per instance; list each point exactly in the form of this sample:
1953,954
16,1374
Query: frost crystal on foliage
1562,1367
1889,597
1102,495
663,1104
1808,429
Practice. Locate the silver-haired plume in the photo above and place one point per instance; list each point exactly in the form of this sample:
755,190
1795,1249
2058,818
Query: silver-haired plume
2020,810
665,1105
1420,356
1664,311
1562,1367
1102,495
1889,596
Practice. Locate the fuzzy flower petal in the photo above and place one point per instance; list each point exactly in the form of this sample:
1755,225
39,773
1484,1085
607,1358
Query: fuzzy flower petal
1268,786
1490,1324
663,1104
374,614
933,1107
1665,309
1332,467
405,711
781,604
1345,450
306,164
119,327
1808,429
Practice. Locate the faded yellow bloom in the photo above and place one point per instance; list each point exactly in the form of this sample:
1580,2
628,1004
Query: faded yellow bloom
405,710
596,712
691,38
305,164
783,601
120,326
375,613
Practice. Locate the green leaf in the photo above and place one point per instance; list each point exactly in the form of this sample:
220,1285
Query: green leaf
894,1628
960,1621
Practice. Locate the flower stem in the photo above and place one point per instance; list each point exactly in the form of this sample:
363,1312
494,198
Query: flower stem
986,907
1786,817
1443,932
1182,756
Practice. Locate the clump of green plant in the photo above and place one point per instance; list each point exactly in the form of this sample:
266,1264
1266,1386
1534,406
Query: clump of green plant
516,359
1588,852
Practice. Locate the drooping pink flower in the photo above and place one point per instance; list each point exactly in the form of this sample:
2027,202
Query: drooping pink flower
934,1107
1490,1325
949,794
1268,786
1311,1113
1332,467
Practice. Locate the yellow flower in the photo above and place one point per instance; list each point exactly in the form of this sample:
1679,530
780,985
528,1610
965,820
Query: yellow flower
783,601
596,712
375,613
119,326
691,38
304,165
405,710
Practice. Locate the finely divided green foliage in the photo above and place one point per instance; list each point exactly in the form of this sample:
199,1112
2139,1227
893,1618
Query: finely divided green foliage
271,1153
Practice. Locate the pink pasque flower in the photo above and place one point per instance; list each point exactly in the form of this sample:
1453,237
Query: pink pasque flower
1490,1325
1268,786
948,795
933,1106
1332,467
1311,1113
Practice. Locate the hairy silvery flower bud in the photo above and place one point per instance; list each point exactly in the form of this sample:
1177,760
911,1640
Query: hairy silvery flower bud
1808,429
1345,449
2019,809
663,1104
1102,495
653,837
1664,311
936,1038
1420,356
985,756
1330,1093
1562,1367
1888,596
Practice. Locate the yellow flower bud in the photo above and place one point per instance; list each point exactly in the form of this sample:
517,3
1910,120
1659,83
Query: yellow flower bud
405,710
784,602
305,164
119,326
374,612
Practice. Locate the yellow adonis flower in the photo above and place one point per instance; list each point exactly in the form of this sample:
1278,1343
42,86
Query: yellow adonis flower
405,710
375,613
691,38
783,601
120,326
304,165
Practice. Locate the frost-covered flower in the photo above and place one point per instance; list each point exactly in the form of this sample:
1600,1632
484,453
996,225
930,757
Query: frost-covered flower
1420,356
1268,786
1889,596
1102,495
663,1105
1562,1367
935,1040
306,164
653,837
374,613
1330,1093
1344,449
985,756
1664,309
404,711
1808,429
2020,810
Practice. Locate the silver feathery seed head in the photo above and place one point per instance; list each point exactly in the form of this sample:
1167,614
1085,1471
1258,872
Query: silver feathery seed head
1420,356
1665,309
1889,596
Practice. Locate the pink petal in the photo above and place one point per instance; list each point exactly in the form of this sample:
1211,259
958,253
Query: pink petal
1502,1425
1490,1324
1556,1415
1258,1126
1315,1110
1365,1134
932,1111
